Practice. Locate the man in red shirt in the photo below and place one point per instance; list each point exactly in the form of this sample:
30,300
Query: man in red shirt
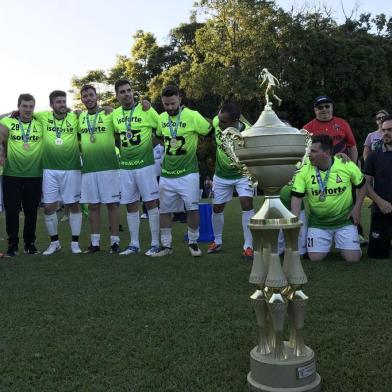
335,127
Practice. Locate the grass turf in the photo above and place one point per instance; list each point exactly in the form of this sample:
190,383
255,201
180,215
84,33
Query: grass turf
107,323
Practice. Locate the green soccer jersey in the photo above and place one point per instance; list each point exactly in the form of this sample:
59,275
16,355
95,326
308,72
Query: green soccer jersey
180,151
285,196
23,159
136,143
223,168
61,148
98,146
333,212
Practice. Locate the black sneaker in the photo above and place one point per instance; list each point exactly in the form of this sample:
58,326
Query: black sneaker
115,248
92,249
30,249
12,251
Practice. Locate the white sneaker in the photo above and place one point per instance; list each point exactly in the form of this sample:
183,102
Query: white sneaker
52,248
153,251
75,248
195,250
144,216
164,251
130,250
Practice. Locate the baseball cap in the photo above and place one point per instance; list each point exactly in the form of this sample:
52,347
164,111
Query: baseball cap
321,99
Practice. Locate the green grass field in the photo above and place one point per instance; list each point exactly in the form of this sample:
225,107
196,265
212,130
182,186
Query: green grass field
110,323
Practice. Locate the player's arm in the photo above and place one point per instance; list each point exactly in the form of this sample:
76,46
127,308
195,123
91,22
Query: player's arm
352,153
3,143
5,115
384,205
355,213
296,202
352,150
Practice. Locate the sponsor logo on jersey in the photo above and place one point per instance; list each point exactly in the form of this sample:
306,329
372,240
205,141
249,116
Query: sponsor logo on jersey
338,179
329,191
336,127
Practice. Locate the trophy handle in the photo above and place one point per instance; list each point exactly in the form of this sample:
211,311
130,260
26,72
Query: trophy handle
308,145
229,135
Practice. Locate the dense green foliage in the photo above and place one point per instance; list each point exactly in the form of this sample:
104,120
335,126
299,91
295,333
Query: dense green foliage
221,59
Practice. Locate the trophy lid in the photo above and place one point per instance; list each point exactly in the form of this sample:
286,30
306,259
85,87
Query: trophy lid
269,124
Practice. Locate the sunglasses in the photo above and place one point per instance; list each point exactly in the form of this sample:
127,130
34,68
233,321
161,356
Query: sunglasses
380,118
321,107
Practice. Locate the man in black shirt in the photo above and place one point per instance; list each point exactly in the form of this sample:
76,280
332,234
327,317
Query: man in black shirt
378,172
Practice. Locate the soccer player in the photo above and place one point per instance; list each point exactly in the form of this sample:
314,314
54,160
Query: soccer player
327,183
61,163
133,127
226,179
180,128
378,172
100,169
21,138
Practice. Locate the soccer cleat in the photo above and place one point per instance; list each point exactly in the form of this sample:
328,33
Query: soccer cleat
115,248
64,218
12,251
75,248
30,249
195,250
92,249
152,251
214,247
248,254
163,251
52,248
130,250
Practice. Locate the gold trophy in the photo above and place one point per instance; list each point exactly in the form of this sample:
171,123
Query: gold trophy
269,153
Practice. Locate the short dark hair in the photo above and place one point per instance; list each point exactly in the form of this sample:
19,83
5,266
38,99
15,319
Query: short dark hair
388,117
383,111
88,87
121,82
56,93
25,97
170,90
232,109
326,142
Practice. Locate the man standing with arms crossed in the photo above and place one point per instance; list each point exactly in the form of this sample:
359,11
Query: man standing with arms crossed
133,127
21,139
100,170
61,164
226,178
180,128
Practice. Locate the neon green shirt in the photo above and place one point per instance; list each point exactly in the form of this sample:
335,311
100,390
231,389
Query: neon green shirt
334,211
223,168
136,151
23,162
181,159
65,156
99,155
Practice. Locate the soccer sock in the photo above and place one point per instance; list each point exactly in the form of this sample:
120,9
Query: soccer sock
51,223
153,221
166,237
75,222
248,240
114,239
95,238
218,220
133,219
193,235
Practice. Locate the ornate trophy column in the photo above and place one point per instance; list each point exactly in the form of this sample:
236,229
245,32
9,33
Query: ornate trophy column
268,153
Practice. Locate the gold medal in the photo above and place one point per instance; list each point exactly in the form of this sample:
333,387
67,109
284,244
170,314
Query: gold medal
129,135
173,142
92,138
26,146
322,196
59,141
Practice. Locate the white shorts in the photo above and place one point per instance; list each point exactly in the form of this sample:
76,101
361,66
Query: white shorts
173,190
61,185
222,189
138,182
320,240
101,187
301,238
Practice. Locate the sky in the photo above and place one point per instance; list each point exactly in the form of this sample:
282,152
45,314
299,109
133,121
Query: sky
45,42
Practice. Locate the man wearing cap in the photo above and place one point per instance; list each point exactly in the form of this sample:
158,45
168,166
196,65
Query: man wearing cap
335,127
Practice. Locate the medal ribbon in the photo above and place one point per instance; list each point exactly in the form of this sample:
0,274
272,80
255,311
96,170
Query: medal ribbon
91,129
323,184
173,131
25,136
56,128
128,123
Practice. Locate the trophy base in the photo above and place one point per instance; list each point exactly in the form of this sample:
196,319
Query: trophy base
294,374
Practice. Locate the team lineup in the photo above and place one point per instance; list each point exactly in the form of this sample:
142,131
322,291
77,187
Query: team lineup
70,157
